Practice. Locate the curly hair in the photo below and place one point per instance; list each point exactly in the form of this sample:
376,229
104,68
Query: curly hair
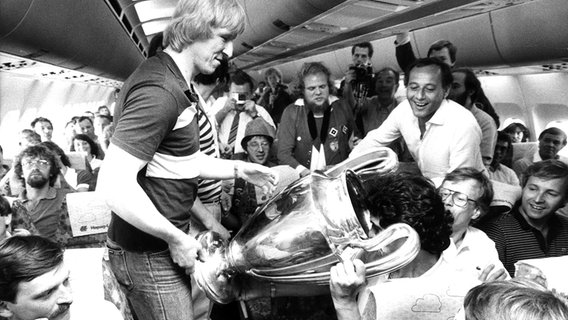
413,200
41,152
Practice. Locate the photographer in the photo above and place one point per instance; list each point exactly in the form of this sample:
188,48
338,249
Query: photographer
359,80
238,110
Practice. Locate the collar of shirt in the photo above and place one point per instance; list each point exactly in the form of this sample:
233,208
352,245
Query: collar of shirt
331,99
170,63
553,224
441,116
50,195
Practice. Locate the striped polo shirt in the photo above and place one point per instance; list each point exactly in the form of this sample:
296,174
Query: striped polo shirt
209,191
516,240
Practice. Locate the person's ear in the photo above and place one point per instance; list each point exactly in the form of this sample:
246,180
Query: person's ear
4,311
8,219
447,92
476,214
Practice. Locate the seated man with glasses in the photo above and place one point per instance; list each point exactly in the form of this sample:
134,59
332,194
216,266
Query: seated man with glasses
244,197
40,208
467,193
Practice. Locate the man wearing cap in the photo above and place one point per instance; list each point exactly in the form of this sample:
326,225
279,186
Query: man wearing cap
245,197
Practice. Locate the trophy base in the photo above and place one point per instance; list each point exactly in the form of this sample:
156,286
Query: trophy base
212,274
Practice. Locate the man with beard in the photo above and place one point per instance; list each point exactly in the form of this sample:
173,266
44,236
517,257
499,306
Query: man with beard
533,229
314,131
440,134
550,142
374,110
40,208
34,284
465,90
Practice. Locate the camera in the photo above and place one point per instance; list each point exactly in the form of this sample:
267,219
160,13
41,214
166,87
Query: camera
362,73
239,97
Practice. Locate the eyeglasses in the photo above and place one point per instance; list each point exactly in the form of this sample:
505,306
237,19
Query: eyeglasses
255,145
38,162
458,198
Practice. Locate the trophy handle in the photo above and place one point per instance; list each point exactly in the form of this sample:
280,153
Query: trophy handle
391,260
362,163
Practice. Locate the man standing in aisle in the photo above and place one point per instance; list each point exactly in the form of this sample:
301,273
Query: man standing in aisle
440,134
149,177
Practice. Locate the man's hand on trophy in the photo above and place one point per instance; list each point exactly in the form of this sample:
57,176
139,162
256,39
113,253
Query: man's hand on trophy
184,250
388,160
259,175
346,278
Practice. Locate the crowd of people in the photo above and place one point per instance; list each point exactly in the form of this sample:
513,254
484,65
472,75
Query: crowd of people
194,145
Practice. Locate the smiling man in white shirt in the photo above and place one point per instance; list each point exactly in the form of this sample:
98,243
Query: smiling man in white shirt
440,134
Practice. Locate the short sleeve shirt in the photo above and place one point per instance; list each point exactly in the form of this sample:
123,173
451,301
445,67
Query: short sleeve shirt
156,121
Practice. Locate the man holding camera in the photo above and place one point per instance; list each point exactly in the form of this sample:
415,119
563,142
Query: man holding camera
359,80
238,110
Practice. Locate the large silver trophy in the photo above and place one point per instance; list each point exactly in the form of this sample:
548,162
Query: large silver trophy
298,235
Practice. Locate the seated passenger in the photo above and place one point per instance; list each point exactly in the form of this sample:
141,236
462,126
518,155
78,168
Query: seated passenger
533,229
84,144
43,127
465,90
5,218
85,125
11,185
34,284
235,115
517,299
245,197
40,208
315,131
3,168
550,142
100,123
497,171
79,180
104,111
518,132
467,194
69,133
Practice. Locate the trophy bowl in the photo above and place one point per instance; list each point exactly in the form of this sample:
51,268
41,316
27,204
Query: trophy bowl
300,233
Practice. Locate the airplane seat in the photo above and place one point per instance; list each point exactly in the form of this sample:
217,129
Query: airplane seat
504,198
523,150
89,217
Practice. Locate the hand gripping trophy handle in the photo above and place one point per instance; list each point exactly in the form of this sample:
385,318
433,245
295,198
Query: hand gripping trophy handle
297,236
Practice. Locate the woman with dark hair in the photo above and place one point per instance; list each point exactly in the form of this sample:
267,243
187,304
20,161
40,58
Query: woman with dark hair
518,132
83,143
69,178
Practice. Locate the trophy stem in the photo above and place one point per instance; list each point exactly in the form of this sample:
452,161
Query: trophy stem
214,274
